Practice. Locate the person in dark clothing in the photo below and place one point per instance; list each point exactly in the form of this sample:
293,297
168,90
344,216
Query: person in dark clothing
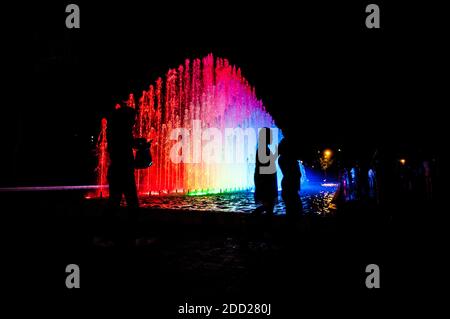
120,147
290,184
266,188
120,176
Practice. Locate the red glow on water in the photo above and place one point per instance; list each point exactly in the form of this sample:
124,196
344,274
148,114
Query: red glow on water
207,89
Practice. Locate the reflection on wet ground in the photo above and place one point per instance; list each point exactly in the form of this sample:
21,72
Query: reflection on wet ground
315,199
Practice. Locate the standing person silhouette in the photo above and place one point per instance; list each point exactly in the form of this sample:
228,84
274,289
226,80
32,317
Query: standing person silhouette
121,169
120,174
266,189
290,184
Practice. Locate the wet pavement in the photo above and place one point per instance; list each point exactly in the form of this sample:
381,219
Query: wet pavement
316,200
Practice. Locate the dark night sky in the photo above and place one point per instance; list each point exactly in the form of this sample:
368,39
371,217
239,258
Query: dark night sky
316,68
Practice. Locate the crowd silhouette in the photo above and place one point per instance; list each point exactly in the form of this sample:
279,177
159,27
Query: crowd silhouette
355,182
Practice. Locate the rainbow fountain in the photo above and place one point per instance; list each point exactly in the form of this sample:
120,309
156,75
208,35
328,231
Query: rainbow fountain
207,92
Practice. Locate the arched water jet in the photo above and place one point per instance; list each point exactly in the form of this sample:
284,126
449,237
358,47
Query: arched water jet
211,91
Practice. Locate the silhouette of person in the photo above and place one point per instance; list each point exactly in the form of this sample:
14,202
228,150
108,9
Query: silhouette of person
346,183
290,184
266,187
355,182
341,193
120,147
428,179
120,173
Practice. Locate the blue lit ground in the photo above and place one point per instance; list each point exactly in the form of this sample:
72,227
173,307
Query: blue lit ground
316,200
